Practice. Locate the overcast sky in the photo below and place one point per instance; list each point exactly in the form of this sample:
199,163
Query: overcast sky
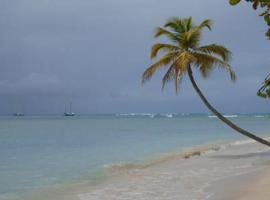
93,52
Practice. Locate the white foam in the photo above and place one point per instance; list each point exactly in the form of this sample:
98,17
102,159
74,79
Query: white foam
242,142
168,115
258,116
230,116
151,115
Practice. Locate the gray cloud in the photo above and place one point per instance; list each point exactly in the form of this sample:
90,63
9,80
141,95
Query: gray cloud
93,53
34,83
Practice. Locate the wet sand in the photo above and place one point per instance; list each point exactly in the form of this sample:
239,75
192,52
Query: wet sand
236,171
225,173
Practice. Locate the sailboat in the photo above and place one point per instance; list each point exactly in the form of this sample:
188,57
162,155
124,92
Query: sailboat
19,108
70,113
18,114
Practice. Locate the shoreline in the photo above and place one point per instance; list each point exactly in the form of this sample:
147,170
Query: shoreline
110,172
203,172
195,177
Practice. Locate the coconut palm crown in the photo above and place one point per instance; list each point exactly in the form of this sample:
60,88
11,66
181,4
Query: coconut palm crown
184,52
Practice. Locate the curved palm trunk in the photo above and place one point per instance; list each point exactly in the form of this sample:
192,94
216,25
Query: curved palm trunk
220,116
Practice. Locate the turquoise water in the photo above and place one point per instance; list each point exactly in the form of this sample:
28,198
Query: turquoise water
40,152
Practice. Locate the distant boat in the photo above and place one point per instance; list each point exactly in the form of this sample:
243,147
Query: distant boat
18,114
70,113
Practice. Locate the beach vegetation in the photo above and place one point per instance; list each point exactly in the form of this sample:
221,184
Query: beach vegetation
264,91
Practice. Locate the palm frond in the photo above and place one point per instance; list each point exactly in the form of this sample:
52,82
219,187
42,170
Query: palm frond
206,23
163,32
173,73
178,74
189,23
184,59
206,62
179,25
168,76
163,61
184,51
178,69
190,39
160,46
175,24
216,49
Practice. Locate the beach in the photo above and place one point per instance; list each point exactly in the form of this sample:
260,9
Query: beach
134,100
131,157
235,171
260,189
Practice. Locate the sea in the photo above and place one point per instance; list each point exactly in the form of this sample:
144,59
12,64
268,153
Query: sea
42,152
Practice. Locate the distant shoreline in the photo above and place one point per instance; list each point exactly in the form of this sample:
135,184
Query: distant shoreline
138,114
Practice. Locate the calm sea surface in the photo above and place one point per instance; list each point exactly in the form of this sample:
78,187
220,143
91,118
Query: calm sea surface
40,152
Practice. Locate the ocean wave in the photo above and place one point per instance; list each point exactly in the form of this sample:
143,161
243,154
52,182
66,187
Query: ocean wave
259,116
166,115
173,115
230,116
151,115
227,116
212,116
184,154
246,141
169,115
122,166
242,142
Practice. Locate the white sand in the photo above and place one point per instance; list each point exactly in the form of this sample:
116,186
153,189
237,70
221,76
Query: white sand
258,190
228,173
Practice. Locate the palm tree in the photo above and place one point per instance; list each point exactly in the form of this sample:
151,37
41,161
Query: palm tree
184,53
